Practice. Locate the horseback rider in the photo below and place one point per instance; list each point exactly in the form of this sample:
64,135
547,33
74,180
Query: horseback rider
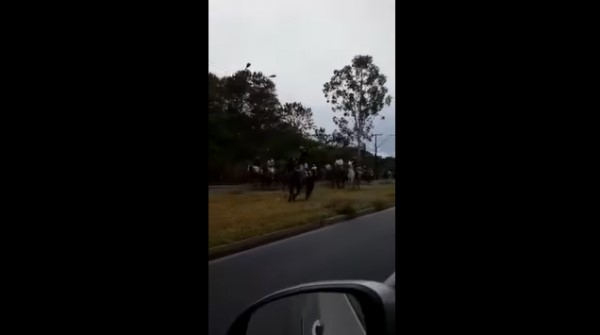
291,164
303,157
303,162
256,161
271,166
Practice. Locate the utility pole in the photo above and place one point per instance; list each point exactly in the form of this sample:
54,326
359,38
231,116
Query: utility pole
377,147
376,174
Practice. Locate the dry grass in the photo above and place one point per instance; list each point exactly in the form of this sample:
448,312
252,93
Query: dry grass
234,217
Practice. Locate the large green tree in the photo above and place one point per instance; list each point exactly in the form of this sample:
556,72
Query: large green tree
298,117
250,113
246,120
357,94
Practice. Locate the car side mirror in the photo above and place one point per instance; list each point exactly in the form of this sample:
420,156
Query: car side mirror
321,308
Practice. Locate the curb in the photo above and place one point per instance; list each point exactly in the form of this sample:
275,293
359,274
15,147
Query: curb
235,247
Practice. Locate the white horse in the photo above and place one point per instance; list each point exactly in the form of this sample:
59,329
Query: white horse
254,168
351,173
271,171
271,164
254,173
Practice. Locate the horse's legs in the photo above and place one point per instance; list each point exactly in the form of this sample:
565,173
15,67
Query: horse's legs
309,188
293,192
298,189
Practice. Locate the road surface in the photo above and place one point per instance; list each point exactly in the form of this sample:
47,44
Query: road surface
363,248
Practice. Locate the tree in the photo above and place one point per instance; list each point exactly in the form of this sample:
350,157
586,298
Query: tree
298,117
339,139
321,136
246,120
262,102
243,115
358,92
251,101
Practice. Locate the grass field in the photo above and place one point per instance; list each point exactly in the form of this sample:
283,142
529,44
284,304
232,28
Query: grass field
241,215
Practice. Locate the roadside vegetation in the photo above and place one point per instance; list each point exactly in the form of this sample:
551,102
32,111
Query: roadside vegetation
244,214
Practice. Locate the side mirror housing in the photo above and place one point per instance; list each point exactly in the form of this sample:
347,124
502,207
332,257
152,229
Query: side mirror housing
337,307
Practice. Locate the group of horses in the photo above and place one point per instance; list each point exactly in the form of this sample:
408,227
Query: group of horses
304,176
265,175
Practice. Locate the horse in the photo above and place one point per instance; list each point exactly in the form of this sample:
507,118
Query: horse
354,175
254,174
368,175
294,185
260,176
309,181
338,174
298,176
324,174
328,173
268,173
351,173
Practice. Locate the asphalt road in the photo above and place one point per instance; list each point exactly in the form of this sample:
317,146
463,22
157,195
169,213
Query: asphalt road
363,248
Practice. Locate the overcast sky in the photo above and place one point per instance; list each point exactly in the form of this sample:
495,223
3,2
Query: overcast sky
302,42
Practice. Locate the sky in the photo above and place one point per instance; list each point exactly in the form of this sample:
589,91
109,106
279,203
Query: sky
302,42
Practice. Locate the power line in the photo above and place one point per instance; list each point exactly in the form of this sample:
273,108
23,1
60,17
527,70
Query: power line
376,147
385,139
